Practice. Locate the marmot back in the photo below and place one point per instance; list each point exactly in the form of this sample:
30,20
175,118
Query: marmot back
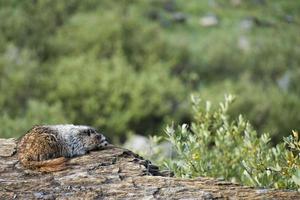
46,147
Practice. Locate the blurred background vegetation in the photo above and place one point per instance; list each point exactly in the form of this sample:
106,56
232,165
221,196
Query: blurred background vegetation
129,66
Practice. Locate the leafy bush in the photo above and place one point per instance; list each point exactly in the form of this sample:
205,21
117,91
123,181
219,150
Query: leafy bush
139,61
262,107
108,77
34,114
111,95
213,145
16,67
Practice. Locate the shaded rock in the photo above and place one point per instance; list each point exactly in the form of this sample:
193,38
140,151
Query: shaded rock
153,15
170,6
179,17
247,23
209,20
244,43
289,19
236,2
138,143
284,81
260,2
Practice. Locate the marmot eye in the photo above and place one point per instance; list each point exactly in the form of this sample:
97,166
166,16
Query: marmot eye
87,132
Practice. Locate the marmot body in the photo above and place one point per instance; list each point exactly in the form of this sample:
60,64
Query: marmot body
46,147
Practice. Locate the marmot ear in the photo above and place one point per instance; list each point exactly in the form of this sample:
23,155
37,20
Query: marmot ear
86,132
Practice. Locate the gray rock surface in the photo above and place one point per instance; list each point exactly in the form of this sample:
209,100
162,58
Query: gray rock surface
209,20
114,173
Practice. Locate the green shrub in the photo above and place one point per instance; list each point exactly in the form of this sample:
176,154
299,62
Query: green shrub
270,110
143,40
108,71
35,113
214,145
17,70
109,94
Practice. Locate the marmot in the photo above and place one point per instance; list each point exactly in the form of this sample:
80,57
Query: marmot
47,147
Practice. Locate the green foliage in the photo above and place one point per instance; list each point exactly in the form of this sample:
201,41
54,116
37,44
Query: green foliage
35,113
16,67
262,107
219,147
113,102
127,66
106,77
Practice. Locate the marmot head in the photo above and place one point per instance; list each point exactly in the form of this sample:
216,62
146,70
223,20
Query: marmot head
91,139
80,136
